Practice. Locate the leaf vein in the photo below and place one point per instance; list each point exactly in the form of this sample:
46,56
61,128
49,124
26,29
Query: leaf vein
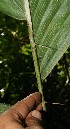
17,5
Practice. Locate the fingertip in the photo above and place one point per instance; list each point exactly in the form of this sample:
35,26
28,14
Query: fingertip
37,96
39,107
37,114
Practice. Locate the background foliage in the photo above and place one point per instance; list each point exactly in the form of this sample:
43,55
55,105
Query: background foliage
17,76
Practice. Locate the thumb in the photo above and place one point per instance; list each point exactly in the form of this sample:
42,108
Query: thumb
34,121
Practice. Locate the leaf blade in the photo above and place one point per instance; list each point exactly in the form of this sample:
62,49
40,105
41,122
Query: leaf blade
51,32
48,17
13,8
3,107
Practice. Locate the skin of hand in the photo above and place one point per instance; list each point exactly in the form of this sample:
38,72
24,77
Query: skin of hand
25,114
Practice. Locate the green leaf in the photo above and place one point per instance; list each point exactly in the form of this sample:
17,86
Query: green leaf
13,8
51,25
3,107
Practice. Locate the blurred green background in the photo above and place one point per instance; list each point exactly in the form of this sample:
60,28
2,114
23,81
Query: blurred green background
17,75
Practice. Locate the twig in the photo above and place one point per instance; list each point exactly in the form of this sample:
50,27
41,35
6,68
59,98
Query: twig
28,18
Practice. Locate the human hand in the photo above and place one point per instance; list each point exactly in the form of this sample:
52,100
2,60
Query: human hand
24,114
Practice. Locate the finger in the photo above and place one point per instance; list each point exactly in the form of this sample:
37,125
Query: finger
26,105
37,114
34,113
33,122
35,127
39,107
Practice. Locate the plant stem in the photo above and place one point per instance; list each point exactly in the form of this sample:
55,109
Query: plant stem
33,47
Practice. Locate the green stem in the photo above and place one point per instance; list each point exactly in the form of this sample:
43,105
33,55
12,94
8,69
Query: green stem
33,47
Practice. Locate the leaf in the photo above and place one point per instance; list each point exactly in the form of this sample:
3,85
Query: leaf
13,8
51,25
3,107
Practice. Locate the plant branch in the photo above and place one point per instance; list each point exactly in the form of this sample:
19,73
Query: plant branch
33,47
